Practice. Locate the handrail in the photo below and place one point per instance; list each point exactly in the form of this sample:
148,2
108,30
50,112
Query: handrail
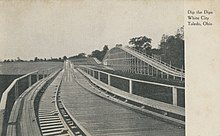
161,66
97,61
34,89
155,60
133,79
5,94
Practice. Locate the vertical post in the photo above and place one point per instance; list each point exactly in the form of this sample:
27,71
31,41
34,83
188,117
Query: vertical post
139,65
37,76
99,75
93,73
148,67
130,86
109,80
182,73
43,75
29,80
152,70
174,92
130,63
136,68
16,90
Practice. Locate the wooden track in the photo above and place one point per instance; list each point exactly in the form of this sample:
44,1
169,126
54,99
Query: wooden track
102,117
54,119
23,120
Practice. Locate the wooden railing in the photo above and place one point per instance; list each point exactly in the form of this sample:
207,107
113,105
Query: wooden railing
17,87
156,60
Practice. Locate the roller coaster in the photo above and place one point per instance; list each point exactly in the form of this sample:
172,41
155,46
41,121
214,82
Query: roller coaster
91,98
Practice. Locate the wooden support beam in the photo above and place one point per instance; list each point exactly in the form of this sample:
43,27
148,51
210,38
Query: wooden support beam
109,80
174,92
130,87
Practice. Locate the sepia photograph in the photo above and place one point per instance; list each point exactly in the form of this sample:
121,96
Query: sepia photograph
95,68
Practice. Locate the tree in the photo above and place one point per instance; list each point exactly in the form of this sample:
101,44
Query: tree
81,55
64,58
180,33
104,51
142,43
163,40
100,54
96,54
172,49
105,48
36,59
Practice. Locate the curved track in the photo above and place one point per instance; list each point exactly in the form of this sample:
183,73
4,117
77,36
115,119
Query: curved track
54,118
23,119
102,117
71,106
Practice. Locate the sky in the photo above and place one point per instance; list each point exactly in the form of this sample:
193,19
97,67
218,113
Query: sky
65,28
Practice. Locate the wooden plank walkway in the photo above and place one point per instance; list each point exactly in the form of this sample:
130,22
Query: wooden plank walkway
28,121
23,120
49,120
101,117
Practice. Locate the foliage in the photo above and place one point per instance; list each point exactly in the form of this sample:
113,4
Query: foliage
172,49
100,54
142,43
79,56
64,58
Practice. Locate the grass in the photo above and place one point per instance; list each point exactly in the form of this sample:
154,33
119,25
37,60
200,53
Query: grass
21,68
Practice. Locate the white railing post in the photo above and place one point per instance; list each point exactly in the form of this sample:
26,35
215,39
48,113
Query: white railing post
109,80
99,75
130,86
37,76
43,74
29,80
174,92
